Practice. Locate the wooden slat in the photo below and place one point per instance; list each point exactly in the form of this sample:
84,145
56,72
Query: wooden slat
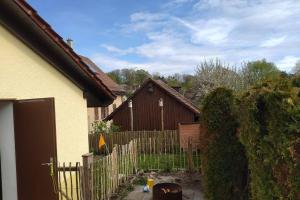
59,184
65,179
77,181
71,181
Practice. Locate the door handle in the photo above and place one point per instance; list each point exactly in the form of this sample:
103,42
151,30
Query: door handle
46,164
49,164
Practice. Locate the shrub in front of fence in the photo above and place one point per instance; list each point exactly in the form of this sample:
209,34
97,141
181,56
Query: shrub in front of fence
223,159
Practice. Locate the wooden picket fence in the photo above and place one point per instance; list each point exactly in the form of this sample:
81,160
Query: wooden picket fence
69,182
112,170
100,176
157,150
168,137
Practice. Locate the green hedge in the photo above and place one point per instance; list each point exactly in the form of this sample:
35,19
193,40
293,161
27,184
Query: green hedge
223,160
270,132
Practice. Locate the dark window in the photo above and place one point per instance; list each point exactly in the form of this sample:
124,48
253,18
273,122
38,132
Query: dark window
114,106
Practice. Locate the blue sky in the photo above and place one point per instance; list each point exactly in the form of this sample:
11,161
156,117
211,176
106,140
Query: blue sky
174,36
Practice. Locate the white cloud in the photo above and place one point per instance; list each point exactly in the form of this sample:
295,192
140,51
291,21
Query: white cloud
224,4
287,63
272,42
144,16
214,31
108,63
117,50
233,30
145,21
176,3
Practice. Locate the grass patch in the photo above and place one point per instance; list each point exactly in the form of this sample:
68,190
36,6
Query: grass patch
166,162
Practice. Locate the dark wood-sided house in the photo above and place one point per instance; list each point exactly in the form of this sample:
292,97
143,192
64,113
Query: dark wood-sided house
155,106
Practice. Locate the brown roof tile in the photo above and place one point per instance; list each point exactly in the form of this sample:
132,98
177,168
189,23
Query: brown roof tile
56,38
177,95
112,85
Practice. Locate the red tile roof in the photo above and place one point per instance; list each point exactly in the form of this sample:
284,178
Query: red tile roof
112,85
57,39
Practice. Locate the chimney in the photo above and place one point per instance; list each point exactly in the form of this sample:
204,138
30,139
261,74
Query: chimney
70,42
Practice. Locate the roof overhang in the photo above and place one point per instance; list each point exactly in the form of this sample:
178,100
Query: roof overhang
22,21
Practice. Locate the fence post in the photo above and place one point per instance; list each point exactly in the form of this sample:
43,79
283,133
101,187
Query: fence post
191,166
87,162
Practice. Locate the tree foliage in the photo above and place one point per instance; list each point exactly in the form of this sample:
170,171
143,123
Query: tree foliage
215,73
296,69
270,132
133,78
258,71
208,75
223,160
130,77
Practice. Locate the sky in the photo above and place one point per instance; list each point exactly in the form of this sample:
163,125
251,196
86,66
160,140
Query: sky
174,36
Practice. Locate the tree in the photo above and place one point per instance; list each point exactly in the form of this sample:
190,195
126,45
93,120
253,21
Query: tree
174,80
130,77
223,158
269,116
140,76
188,82
257,71
213,74
116,76
296,69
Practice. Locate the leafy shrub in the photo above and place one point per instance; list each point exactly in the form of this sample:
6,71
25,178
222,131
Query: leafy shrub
223,160
102,127
270,132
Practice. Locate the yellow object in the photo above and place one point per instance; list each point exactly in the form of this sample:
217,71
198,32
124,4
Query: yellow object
150,183
101,142
26,75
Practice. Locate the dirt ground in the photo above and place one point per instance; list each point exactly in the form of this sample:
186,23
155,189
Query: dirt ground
190,183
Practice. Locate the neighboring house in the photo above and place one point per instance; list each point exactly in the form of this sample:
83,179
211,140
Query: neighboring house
45,90
99,113
146,112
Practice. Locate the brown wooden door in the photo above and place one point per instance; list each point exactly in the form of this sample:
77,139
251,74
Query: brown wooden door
0,180
35,140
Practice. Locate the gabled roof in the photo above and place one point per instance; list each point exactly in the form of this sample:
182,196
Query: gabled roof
169,90
112,85
25,23
177,95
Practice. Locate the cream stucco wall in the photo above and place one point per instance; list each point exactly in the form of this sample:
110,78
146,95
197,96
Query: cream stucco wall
25,75
91,111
